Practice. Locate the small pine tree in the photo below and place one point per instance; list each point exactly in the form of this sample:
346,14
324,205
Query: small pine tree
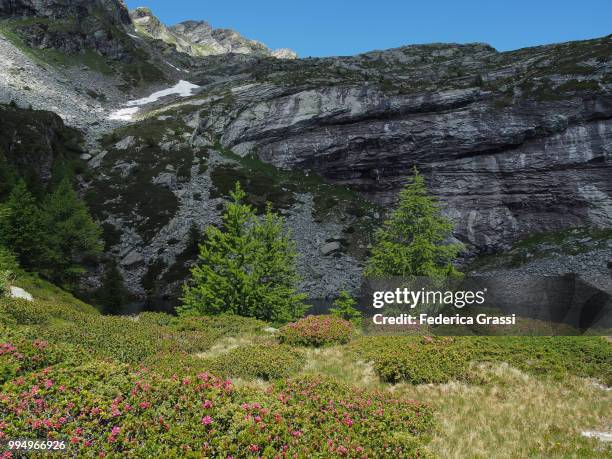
344,307
412,241
21,226
71,236
248,268
112,295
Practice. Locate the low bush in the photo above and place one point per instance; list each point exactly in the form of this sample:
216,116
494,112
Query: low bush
223,324
426,359
19,356
423,363
23,312
156,318
258,361
41,312
103,409
317,331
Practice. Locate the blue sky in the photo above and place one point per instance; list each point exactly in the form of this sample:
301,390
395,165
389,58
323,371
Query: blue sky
344,27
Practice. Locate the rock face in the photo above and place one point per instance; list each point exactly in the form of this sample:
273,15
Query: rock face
198,38
512,143
71,26
35,142
62,9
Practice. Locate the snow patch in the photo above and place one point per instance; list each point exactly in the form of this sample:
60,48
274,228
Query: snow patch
124,114
182,89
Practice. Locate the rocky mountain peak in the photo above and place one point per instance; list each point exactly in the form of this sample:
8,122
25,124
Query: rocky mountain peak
199,38
199,32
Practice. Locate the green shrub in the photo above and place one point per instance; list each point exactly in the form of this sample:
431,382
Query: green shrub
317,331
105,409
24,312
223,324
548,356
156,318
41,312
258,361
425,359
423,363
124,339
20,356
170,363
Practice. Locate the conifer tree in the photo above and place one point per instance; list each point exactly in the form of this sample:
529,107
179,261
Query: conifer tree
412,241
112,295
21,226
344,307
245,268
71,236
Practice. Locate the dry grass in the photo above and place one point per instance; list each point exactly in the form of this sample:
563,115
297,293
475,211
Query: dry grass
229,343
513,415
334,362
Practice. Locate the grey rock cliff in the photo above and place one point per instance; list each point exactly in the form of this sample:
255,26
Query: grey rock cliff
512,143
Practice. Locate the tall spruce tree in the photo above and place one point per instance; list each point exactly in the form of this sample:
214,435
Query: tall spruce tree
21,226
412,242
71,235
247,268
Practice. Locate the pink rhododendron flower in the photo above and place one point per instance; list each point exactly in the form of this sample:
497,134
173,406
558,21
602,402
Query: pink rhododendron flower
342,450
206,420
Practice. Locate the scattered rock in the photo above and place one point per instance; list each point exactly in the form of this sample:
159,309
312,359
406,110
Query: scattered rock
330,247
18,292
132,259
125,143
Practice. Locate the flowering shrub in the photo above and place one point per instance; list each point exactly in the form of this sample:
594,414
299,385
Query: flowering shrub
317,331
258,361
103,409
19,356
